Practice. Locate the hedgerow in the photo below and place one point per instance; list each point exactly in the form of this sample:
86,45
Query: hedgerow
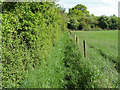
29,30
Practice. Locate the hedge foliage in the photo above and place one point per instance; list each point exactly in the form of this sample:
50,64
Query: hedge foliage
29,30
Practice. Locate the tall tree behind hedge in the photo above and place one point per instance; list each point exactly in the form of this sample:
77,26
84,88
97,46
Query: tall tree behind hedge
80,13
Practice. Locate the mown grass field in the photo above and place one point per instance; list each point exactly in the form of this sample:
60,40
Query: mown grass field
67,68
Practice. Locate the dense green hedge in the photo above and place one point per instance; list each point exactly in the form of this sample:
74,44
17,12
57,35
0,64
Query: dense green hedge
29,30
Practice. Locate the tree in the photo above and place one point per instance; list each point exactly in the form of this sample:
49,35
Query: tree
103,22
118,23
73,24
79,10
77,14
106,22
113,22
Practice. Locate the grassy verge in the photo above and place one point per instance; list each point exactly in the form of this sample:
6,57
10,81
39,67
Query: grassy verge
51,72
102,51
66,68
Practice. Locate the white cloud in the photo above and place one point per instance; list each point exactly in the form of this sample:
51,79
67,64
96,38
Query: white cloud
110,7
112,2
103,11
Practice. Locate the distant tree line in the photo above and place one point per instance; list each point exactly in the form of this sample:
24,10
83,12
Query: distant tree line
80,19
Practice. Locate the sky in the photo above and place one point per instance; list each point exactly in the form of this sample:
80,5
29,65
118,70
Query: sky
96,7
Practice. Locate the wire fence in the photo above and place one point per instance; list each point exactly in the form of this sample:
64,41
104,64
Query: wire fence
83,48
76,39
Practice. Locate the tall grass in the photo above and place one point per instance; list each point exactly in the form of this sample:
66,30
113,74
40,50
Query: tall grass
102,51
67,68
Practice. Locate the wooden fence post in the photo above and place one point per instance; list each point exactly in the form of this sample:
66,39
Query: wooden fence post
76,40
84,46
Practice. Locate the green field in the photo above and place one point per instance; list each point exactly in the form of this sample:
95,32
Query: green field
105,43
